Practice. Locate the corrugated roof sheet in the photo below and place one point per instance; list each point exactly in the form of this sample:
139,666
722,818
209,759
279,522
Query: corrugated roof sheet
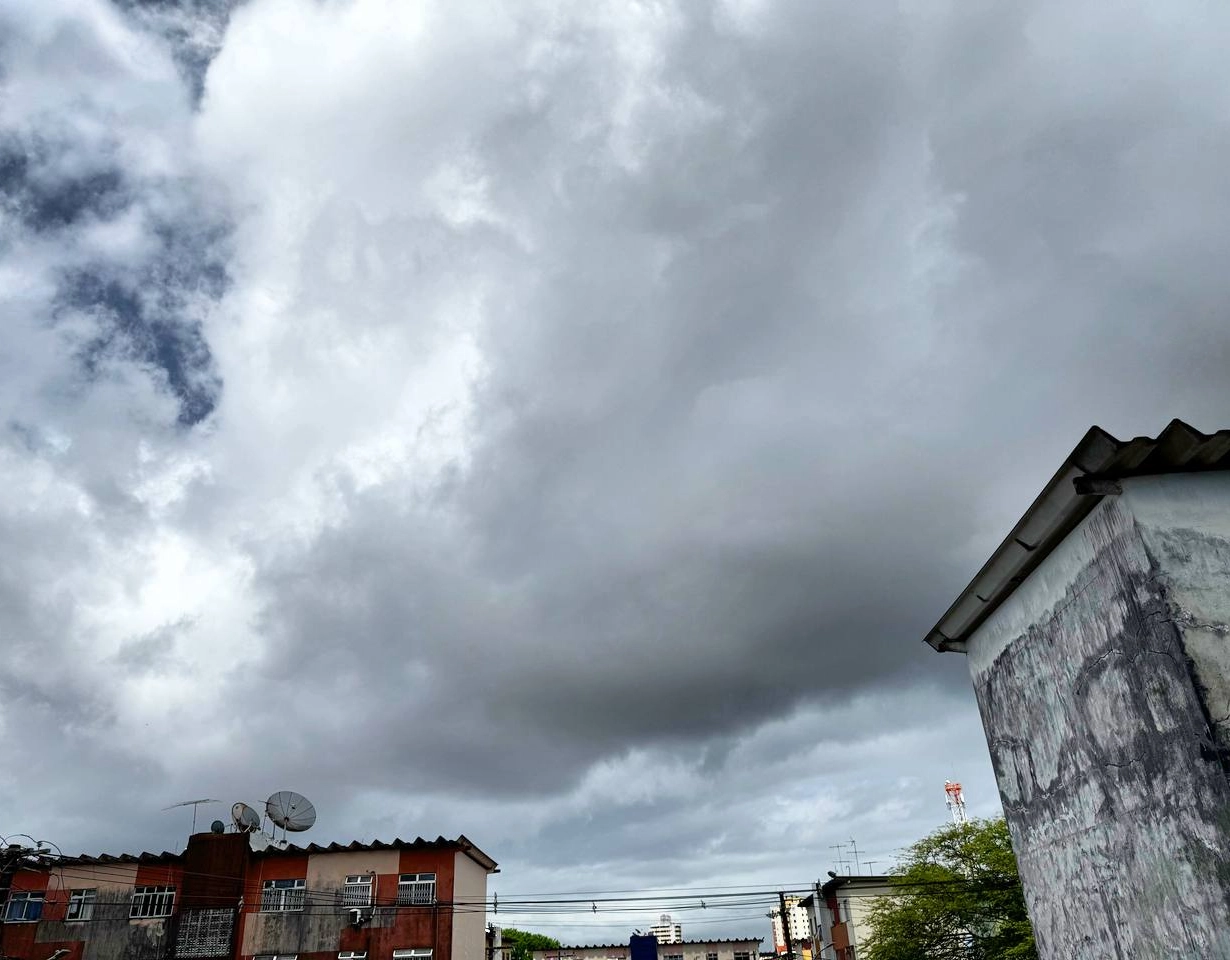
462,843
1082,480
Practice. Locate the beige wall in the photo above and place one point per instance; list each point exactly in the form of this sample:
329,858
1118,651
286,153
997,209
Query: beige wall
326,871
470,918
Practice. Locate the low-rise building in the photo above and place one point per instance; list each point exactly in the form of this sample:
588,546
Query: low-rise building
842,911
223,900
745,948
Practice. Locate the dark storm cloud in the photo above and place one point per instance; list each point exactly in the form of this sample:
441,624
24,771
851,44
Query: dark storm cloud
613,399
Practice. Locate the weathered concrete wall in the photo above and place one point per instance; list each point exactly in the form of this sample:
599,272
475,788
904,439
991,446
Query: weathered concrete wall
1185,524
1099,734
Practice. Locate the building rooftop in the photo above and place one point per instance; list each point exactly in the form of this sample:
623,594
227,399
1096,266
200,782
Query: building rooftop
834,883
1090,472
462,843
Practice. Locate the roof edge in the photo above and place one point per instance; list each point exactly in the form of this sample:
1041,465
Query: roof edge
1084,478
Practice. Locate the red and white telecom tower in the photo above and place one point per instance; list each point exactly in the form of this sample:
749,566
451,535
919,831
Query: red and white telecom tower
955,800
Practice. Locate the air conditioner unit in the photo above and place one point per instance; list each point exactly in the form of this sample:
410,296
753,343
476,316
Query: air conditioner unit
359,915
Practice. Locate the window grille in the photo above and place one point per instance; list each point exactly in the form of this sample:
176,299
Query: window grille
418,953
280,896
152,902
357,891
416,888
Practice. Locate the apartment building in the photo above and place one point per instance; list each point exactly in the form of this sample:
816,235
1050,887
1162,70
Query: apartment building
666,930
223,900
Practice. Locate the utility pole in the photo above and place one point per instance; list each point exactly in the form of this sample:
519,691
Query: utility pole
786,926
12,856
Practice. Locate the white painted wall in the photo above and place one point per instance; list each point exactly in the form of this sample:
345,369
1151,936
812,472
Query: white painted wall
469,925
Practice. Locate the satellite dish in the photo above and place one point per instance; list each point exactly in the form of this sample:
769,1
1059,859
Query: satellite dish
291,811
217,827
245,817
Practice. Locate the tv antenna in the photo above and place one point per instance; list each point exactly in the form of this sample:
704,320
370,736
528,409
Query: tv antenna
193,804
291,811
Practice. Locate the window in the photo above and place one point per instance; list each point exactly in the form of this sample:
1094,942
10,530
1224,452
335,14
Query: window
276,956
205,932
743,955
152,902
673,956
416,888
352,955
81,904
24,907
710,956
358,891
278,896
418,953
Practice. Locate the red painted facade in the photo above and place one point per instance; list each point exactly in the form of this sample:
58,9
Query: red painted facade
221,911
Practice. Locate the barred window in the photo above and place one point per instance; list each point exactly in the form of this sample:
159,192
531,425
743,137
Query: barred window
418,953
416,888
357,891
279,896
743,955
711,956
352,955
152,902
24,906
276,956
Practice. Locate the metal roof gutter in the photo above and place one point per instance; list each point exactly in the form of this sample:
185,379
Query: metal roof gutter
1090,473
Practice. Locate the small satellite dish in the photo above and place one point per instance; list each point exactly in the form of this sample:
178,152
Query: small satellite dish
217,827
291,811
246,818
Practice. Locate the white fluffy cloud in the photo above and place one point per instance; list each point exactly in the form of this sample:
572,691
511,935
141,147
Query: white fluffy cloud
559,423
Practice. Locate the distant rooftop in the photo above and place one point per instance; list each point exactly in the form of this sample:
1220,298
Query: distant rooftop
1088,474
677,943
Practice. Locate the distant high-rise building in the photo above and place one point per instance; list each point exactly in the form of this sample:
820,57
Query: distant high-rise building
800,924
666,930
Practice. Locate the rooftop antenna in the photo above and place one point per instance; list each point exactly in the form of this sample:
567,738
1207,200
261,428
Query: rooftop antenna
245,818
955,799
854,847
839,859
290,811
193,804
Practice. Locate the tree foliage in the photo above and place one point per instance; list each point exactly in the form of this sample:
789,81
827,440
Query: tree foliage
524,942
960,899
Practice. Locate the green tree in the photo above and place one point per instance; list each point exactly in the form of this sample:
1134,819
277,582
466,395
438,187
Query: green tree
959,899
524,943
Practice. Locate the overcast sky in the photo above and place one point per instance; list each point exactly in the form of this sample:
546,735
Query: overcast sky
560,423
